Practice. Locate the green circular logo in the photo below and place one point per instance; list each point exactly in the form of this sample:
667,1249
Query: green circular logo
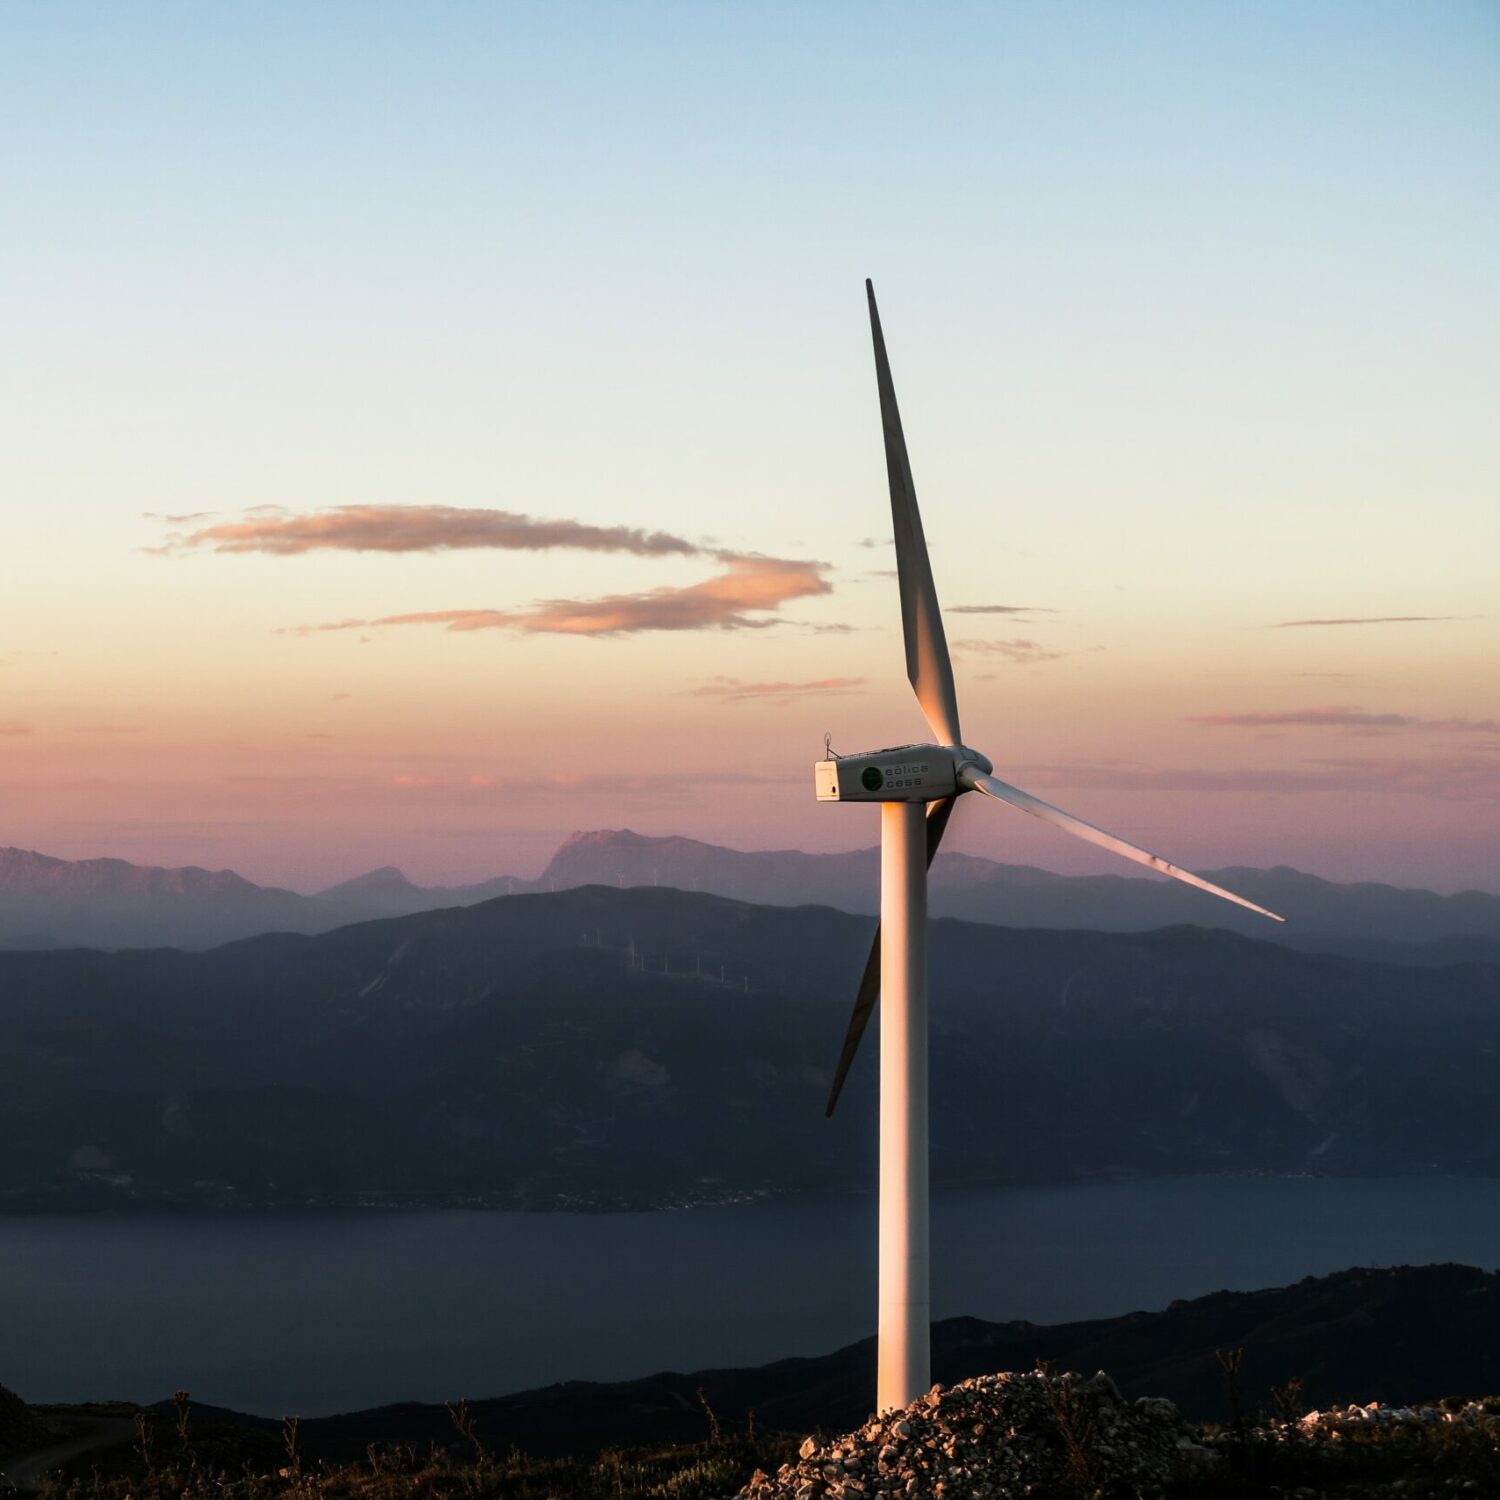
872,779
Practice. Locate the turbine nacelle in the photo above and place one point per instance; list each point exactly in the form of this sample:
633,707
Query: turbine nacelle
903,773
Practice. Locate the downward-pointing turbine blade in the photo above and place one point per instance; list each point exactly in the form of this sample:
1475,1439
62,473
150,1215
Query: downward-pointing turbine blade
927,663
869,984
1002,791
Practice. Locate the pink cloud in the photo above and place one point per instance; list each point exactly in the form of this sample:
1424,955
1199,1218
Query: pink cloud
1340,718
1362,620
1452,776
419,528
14,727
734,691
1463,726
750,585
1020,650
1309,717
1000,609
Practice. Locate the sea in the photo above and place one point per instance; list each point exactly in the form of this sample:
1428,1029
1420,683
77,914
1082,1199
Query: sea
314,1313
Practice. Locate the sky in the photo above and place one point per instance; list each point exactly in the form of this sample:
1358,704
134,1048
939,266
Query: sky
430,429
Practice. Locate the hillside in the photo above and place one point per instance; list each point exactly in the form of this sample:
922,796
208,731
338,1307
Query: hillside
109,903
1320,913
52,903
651,1046
1400,1335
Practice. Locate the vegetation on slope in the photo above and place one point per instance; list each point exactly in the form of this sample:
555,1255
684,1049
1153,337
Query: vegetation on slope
1448,1448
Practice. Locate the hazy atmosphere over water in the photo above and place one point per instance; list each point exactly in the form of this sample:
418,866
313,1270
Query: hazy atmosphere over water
431,429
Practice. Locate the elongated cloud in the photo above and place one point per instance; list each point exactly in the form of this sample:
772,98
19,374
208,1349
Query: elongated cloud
1462,726
1340,718
1000,609
1362,620
14,727
419,528
735,691
1462,777
1020,650
750,586
1315,718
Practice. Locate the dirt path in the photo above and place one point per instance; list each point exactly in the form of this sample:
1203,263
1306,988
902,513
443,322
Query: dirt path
25,1470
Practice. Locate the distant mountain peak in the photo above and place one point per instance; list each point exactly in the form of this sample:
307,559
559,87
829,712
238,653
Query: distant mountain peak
626,838
387,880
588,837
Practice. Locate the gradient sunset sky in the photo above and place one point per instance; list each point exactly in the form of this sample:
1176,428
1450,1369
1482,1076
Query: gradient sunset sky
525,347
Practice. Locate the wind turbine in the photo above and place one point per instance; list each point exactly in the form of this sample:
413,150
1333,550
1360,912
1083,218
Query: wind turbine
917,786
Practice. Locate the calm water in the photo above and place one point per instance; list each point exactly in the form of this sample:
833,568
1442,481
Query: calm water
322,1313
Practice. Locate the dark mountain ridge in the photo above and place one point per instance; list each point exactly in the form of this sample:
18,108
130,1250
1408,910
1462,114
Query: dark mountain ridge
49,903
981,890
1399,1335
642,1047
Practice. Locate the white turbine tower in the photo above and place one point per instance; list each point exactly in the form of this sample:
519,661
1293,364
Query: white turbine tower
917,786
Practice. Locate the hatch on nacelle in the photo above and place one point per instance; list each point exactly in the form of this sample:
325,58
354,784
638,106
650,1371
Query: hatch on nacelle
906,773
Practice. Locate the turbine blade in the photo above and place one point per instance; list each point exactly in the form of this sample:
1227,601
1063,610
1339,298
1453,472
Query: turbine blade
869,984
1002,791
927,663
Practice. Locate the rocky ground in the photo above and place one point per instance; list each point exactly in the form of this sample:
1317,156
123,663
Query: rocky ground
1040,1434
1060,1435
997,1436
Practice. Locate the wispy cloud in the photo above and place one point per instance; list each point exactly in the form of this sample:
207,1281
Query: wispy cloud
1462,726
750,588
1020,650
13,727
1340,718
1000,609
1361,620
480,787
182,520
733,690
1315,718
417,528
1463,777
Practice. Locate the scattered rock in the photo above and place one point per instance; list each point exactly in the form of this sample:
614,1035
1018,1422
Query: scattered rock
1342,1422
993,1438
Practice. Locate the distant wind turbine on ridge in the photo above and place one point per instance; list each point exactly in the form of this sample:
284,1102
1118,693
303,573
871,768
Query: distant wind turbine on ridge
917,786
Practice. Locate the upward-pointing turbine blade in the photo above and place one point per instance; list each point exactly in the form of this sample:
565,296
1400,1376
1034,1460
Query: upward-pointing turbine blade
927,664
869,984
1002,791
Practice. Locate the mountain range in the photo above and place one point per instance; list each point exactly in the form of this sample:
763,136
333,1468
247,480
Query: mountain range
651,1046
52,903
1399,1335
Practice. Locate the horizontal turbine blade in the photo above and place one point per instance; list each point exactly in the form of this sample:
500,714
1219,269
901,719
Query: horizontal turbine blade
869,984
928,666
1002,791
